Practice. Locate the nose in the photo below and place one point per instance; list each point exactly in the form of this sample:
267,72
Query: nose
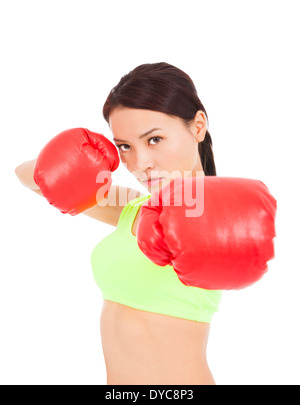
143,162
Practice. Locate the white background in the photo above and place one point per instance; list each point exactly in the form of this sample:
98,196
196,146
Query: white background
59,60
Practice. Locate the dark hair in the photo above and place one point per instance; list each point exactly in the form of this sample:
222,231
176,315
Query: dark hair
167,89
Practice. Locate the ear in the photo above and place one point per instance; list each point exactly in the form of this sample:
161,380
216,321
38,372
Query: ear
200,126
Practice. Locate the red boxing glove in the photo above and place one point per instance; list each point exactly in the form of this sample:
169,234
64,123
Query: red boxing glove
226,243
73,170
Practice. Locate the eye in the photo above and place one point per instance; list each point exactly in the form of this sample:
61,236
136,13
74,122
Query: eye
124,144
119,146
155,137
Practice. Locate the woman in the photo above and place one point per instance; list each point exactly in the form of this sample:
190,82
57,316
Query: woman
154,329
160,335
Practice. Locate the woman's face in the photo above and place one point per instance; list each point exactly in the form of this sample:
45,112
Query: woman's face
170,150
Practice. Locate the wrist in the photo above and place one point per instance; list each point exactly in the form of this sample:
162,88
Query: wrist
24,173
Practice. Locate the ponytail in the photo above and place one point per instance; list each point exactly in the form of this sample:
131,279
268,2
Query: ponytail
207,155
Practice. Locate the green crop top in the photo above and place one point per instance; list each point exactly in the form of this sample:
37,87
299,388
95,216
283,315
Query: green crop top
126,276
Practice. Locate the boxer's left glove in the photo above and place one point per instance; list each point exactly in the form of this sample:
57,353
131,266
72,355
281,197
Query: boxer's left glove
73,170
222,241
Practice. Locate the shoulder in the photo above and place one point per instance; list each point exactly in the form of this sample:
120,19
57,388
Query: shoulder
126,195
112,206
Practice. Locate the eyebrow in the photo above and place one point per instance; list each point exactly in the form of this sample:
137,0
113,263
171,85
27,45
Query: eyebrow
141,136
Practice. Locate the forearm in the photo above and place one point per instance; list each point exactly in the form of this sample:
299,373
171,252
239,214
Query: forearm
24,173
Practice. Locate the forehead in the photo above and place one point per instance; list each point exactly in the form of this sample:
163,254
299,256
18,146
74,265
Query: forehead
131,122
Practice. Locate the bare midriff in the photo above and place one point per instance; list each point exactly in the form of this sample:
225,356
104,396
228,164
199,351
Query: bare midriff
142,347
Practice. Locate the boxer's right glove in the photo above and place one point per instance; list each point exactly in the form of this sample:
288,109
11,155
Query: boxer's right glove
73,170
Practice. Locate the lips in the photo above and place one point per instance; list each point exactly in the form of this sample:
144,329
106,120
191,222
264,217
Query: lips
154,182
148,180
